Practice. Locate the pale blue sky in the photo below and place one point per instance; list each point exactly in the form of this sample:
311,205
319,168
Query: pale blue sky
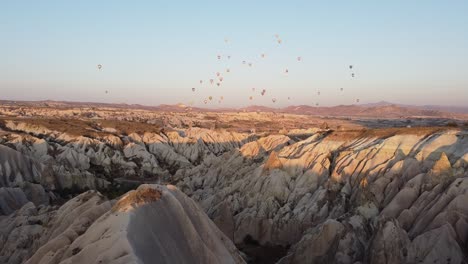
154,52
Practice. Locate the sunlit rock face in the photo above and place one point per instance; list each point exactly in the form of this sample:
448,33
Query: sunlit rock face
382,192
151,223
329,195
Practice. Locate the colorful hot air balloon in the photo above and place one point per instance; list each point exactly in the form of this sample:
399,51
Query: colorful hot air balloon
250,97
221,79
222,97
250,64
357,100
219,57
99,66
299,58
286,71
211,81
350,66
341,89
273,100
210,97
263,55
228,70
193,89
205,101
218,74
279,41
201,81
218,84
352,75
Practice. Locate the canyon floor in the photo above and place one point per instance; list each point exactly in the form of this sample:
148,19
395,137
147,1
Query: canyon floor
89,184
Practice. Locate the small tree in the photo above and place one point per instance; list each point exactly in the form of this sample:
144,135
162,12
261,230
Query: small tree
452,124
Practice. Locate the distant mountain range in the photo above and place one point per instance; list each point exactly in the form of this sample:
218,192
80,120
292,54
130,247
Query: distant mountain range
452,109
379,109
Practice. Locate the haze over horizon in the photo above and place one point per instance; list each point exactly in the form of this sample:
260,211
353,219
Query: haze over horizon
154,53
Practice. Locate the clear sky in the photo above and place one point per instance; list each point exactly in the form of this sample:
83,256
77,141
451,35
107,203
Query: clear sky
154,52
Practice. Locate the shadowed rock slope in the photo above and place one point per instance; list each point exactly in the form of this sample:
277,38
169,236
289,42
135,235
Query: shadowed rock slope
382,198
151,224
374,196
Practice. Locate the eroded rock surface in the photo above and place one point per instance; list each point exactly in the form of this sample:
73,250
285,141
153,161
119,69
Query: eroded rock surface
374,196
151,223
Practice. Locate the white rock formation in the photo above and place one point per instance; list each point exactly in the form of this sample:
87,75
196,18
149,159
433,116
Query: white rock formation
152,223
356,194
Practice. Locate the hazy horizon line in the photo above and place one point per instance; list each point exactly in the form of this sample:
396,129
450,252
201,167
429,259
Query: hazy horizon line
229,107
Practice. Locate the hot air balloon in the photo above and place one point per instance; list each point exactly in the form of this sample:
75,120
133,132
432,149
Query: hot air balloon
250,97
341,89
229,57
279,41
218,74
253,89
210,97
99,66
201,81
218,84
228,70
273,100
316,104
193,89
244,62
350,66
299,58
222,97
263,55
226,40
286,71
205,101
219,57
107,92
250,64
289,98
276,36
221,79
357,100
352,75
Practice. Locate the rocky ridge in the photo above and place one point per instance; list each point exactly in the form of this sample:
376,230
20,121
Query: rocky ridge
151,223
377,196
